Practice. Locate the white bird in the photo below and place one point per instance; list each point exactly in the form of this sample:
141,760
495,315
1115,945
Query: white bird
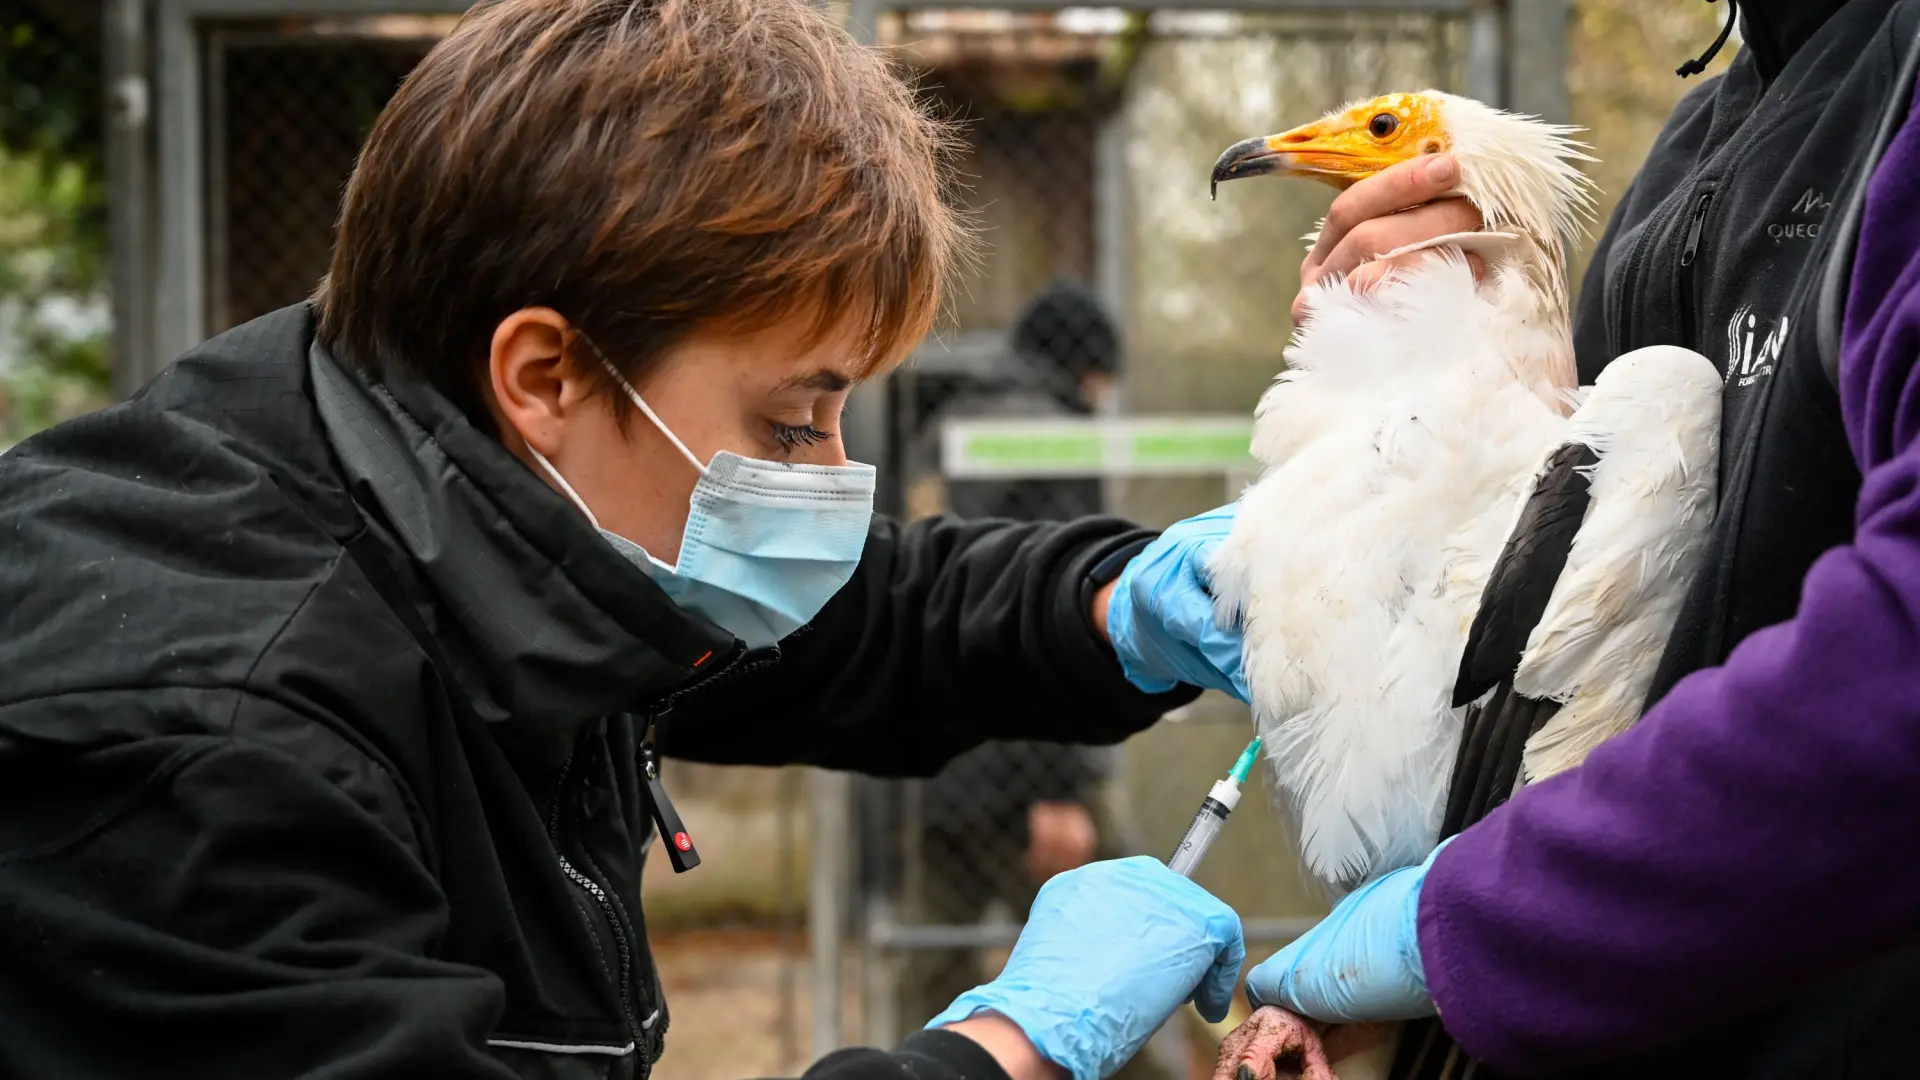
1456,571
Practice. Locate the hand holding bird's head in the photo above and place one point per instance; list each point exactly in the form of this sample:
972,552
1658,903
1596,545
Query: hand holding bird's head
1521,172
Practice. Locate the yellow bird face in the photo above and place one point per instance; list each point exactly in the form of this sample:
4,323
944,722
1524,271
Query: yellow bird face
1345,147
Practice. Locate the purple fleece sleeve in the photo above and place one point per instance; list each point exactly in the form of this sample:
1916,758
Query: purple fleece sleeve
1670,881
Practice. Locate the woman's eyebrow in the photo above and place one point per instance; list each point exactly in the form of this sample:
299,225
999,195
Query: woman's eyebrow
826,379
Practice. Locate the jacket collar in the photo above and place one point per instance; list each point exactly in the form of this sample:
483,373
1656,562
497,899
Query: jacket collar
546,622
1773,30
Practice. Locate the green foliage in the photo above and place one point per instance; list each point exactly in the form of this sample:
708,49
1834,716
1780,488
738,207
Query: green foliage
51,81
50,257
53,215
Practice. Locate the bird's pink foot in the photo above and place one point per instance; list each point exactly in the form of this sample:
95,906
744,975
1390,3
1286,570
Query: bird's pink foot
1273,1044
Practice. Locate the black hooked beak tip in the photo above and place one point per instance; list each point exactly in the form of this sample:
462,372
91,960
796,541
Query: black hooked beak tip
1248,157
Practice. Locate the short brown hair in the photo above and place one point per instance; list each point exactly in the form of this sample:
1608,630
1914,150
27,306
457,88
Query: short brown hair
647,168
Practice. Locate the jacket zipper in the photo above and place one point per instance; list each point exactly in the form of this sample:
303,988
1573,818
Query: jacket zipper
1700,209
730,668
1634,264
1689,251
734,667
592,888
680,847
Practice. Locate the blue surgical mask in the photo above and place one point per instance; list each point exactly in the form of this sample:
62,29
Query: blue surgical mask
767,543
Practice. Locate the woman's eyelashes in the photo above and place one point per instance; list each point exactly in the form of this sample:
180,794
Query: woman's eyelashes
794,436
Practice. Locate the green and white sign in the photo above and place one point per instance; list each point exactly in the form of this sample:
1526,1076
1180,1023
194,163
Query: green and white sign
1049,448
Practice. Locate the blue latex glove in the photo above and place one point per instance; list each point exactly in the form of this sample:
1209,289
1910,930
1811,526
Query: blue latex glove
1109,951
1362,962
1160,616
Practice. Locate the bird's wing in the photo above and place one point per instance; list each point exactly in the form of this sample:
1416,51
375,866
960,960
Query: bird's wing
1493,742
1654,417
1577,609
1522,581
1487,767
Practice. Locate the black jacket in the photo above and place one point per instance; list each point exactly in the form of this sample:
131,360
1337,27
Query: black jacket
1723,244
323,721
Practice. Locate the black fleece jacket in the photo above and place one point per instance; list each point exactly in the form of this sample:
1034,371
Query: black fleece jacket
324,730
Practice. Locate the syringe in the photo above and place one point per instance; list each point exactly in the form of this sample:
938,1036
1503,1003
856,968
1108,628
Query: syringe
1213,814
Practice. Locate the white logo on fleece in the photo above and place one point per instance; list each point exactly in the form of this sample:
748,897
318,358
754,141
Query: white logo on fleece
1754,344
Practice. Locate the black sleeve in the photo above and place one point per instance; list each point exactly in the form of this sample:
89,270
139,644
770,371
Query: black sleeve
204,904
927,1055
950,632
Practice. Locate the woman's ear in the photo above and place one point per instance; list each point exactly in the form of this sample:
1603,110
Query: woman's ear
534,384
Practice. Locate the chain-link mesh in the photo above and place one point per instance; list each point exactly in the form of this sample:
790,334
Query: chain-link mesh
289,102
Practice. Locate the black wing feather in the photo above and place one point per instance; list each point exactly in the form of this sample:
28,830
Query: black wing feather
1487,768
1523,579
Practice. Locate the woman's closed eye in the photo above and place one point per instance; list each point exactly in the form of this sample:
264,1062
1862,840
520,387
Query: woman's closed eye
794,436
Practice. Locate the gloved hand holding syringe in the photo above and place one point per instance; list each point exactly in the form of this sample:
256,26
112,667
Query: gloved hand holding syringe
1076,984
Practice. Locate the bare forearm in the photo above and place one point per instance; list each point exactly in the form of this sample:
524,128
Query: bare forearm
1101,597
1009,1046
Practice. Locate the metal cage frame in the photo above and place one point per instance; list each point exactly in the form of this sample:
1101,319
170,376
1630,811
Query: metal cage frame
159,92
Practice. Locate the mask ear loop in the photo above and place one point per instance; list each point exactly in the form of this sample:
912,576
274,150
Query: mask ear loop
642,403
554,474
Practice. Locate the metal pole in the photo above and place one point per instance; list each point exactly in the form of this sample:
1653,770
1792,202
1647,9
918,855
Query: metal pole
866,427
789,850
1112,247
827,898
217,252
129,190
1537,59
179,306
878,990
891,935
1486,54
863,20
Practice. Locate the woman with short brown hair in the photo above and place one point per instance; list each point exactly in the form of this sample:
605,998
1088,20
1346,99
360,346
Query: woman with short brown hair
335,666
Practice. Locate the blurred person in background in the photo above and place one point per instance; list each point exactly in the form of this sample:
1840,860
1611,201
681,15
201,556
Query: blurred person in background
336,665
1723,890
1004,817
1066,351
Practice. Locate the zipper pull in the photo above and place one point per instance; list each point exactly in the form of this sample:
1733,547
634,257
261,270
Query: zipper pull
673,832
1692,247
654,712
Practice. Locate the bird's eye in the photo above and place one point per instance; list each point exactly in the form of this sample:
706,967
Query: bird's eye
1383,125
